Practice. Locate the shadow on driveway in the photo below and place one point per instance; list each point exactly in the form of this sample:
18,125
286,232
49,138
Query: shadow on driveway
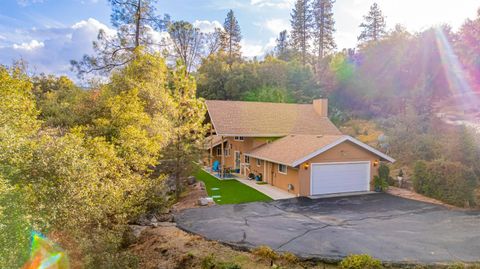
387,227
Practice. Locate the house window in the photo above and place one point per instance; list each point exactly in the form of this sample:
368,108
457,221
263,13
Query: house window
238,138
227,152
219,151
282,169
247,159
259,162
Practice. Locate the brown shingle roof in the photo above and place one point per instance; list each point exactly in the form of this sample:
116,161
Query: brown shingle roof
291,148
267,119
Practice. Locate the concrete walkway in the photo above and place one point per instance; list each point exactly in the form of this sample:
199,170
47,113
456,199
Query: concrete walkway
267,189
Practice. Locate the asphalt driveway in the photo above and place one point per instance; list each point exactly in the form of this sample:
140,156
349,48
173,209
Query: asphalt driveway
390,228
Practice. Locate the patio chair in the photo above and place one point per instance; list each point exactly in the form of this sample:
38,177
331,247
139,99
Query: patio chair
215,166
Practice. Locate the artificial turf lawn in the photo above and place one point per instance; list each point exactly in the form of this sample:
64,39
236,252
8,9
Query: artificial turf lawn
230,191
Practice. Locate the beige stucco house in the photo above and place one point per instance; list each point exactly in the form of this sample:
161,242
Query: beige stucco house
294,147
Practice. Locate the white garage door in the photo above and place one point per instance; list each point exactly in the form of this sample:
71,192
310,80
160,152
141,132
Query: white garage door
340,177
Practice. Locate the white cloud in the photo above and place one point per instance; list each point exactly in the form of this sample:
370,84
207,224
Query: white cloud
250,50
93,25
282,4
207,26
49,50
277,25
32,45
25,3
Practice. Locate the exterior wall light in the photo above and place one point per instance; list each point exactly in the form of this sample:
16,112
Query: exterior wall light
306,165
375,163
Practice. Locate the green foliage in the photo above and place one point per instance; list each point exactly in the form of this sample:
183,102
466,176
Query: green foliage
61,102
231,37
415,132
15,228
374,25
83,184
456,266
265,252
269,80
451,182
380,183
209,262
323,27
17,107
289,258
187,129
18,126
362,261
268,94
302,23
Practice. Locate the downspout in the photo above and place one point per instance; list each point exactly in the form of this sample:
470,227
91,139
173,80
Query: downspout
223,159
211,148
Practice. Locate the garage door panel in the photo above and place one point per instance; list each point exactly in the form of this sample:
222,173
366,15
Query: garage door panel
340,177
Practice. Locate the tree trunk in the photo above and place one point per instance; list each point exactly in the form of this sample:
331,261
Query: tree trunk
137,24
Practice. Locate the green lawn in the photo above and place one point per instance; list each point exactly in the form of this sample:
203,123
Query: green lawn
229,191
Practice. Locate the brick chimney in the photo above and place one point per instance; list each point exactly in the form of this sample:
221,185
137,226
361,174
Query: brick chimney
321,107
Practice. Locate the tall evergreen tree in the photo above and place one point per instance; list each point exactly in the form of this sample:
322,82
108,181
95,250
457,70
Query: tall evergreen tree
301,28
187,43
231,37
324,27
373,26
134,21
282,47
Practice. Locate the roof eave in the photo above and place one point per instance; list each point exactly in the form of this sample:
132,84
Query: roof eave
267,159
339,141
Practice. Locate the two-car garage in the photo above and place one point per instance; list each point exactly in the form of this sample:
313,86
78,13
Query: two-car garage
328,178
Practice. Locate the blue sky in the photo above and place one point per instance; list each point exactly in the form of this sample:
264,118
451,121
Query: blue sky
49,33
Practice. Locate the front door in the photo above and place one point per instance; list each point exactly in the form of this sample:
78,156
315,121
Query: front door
237,160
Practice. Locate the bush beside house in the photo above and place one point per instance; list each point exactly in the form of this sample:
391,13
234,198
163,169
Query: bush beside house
451,182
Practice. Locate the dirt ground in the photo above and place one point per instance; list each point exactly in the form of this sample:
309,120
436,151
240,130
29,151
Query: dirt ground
418,197
168,247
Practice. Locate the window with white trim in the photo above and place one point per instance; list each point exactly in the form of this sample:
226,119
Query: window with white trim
259,162
227,152
247,159
282,169
219,151
239,138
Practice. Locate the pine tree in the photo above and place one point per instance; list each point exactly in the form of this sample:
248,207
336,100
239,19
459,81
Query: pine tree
187,42
301,28
324,27
282,47
134,21
231,38
374,25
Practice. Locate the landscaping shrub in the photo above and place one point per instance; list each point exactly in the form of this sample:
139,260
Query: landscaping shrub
384,174
289,257
265,252
362,261
383,179
209,262
456,266
451,182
